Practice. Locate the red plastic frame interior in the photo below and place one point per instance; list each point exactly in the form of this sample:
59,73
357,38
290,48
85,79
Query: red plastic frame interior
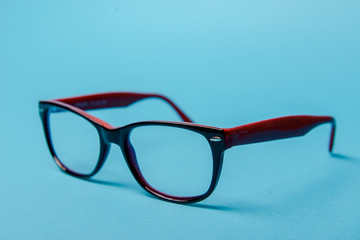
116,99
277,128
267,130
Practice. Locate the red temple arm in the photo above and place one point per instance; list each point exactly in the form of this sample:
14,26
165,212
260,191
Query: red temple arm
116,99
277,128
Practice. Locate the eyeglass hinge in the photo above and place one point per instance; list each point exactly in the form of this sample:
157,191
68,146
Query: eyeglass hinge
215,139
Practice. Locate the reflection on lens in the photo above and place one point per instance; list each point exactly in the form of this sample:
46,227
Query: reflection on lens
173,160
75,141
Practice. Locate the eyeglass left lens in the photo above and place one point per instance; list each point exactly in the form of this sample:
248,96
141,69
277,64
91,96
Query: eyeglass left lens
75,140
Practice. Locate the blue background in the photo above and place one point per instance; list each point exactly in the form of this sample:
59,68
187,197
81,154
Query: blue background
226,63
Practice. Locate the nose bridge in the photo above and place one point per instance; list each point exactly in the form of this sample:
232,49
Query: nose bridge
115,136
119,137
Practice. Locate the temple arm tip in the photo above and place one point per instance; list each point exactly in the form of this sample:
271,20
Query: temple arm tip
332,136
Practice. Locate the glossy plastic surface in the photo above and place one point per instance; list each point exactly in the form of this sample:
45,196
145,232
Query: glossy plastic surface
219,139
277,128
116,99
120,136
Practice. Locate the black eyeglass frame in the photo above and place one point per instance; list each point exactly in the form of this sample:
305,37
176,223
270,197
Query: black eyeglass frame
219,139
120,136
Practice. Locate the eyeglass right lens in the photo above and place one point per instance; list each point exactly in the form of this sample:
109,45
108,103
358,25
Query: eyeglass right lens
75,140
173,160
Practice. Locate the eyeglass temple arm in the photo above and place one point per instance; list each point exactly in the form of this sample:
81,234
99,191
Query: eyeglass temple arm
277,128
116,99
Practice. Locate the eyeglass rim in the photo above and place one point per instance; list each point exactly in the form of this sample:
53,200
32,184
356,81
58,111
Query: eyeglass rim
108,133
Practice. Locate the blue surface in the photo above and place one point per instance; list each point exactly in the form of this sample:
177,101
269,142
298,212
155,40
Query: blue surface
225,63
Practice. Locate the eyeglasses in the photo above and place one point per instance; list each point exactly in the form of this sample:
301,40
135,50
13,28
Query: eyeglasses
175,161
